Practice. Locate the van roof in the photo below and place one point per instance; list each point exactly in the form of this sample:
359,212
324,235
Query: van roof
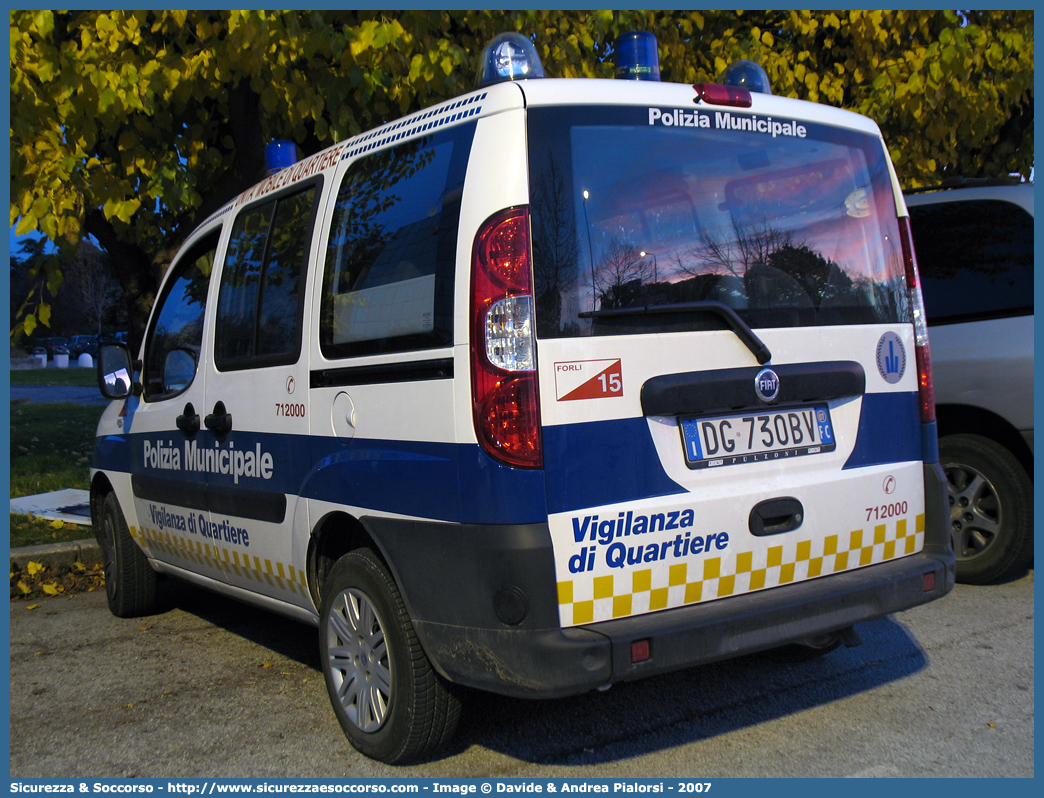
510,95
591,91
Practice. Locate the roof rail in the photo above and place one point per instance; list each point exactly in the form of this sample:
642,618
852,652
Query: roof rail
966,182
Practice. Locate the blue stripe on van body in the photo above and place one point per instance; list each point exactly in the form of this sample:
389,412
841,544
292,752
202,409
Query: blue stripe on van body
112,453
593,464
439,481
615,461
889,430
603,462
442,481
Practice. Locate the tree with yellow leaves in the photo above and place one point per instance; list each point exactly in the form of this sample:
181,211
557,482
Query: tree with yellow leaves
132,126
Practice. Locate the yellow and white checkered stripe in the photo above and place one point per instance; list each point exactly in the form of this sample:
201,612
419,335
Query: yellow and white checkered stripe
635,592
196,552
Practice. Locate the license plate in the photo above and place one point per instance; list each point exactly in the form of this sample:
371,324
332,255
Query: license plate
757,437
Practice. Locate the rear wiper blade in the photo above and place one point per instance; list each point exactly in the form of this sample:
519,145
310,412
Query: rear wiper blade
719,309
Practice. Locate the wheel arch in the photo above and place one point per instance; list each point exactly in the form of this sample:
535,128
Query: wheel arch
333,536
100,488
954,419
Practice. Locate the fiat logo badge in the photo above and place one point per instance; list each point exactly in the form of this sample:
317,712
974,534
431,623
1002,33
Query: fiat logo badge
766,385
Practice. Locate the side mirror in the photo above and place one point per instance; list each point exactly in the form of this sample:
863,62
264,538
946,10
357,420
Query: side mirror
115,376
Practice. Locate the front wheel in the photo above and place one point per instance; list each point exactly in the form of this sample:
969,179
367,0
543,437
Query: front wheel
130,582
392,705
991,508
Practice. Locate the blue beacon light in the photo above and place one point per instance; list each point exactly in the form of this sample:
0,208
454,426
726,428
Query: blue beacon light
746,75
509,56
636,56
279,155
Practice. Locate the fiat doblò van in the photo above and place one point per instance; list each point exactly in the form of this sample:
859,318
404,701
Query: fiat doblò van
554,385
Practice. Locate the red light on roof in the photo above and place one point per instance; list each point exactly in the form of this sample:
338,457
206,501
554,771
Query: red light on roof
716,94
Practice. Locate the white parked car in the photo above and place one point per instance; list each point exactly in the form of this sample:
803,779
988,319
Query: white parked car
974,244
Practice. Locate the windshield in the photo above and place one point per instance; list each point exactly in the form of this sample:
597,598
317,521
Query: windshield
788,223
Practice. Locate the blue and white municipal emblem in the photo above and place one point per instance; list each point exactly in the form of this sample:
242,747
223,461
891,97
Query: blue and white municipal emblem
891,357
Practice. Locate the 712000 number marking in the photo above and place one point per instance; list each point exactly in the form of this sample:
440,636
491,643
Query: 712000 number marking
290,410
886,511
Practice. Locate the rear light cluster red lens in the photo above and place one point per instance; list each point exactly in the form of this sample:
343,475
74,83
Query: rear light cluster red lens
924,357
502,251
927,389
505,394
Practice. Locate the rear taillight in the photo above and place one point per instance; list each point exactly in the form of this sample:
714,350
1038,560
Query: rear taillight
503,342
924,358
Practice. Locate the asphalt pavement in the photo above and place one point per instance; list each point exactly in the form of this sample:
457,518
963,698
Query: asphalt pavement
210,687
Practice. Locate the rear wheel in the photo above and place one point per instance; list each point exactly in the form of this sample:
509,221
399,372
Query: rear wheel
130,582
392,705
991,508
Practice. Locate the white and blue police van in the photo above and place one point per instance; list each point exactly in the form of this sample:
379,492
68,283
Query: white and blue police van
554,385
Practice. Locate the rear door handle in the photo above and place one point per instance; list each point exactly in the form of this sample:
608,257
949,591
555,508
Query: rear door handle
220,421
775,516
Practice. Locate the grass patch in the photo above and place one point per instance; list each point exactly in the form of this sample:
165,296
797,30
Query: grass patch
76,377
51,446
28,530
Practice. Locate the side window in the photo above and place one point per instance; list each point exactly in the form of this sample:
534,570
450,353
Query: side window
388,283
975,258
260,300
174,342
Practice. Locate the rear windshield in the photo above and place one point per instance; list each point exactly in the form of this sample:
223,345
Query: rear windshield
788,223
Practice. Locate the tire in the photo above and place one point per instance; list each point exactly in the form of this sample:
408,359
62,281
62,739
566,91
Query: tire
991,508
390,703
130,582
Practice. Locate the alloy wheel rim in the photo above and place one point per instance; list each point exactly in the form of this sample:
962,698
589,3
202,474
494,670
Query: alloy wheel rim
357,654
975,511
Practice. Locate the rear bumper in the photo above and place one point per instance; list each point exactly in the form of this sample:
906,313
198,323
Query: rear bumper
758,621
550,663
461,582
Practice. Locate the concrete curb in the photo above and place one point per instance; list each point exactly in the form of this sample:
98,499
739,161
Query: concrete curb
54,555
